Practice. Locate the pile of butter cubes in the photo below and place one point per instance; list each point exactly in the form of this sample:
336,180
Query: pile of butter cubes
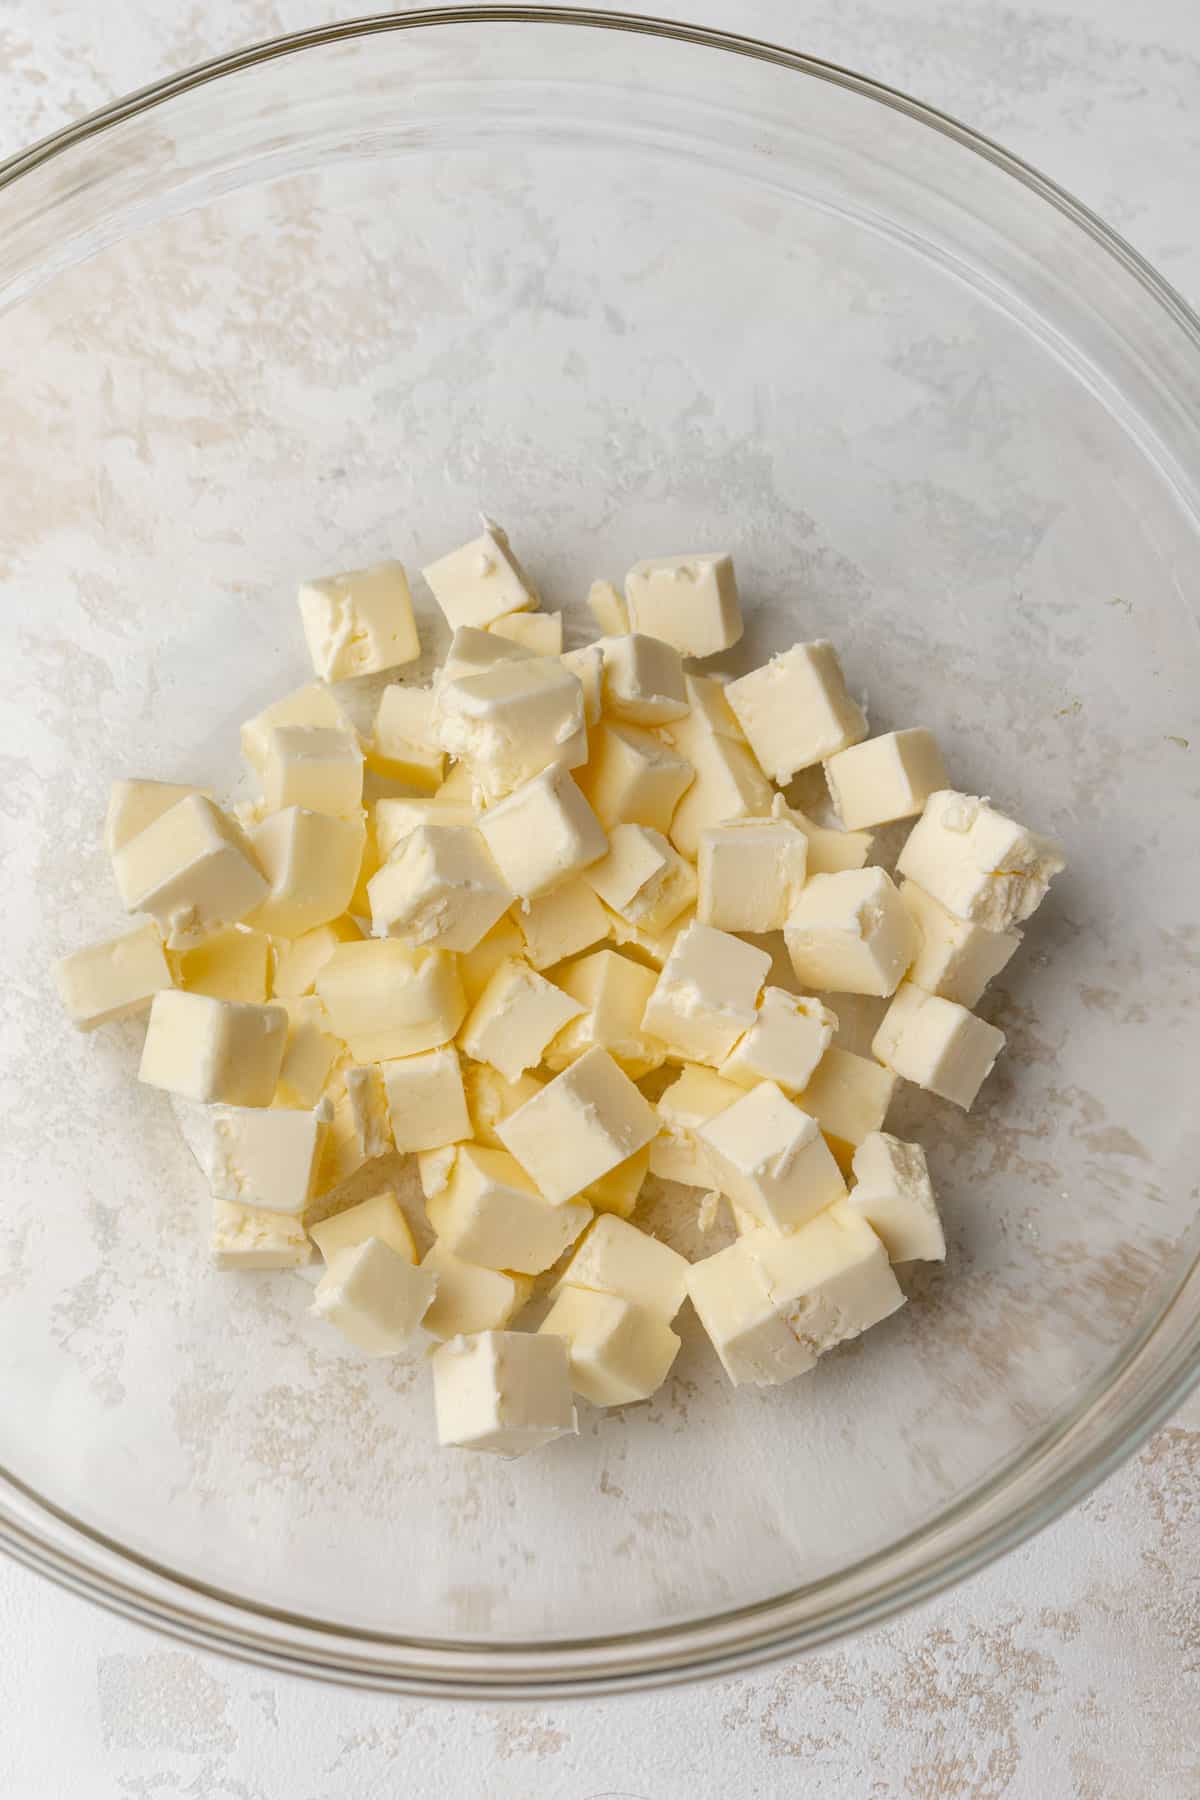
519,926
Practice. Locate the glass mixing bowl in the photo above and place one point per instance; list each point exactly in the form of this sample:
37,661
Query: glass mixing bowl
632,288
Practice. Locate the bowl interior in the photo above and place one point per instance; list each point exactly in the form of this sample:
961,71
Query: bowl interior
628,295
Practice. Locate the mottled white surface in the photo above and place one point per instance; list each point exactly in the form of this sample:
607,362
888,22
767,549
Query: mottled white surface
1071,1669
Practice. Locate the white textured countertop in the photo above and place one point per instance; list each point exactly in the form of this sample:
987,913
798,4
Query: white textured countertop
1071,1669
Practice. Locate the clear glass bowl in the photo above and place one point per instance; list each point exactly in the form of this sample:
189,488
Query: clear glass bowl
631,287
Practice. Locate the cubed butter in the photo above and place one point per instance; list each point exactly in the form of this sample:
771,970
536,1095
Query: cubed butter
213,1050
233,964
472,650
266,1157
771,1159
789,1036
587,665
243,1237
315,705
643,878
746,1329
311,861
402,743
690,601
619,1352
192,870
491,1213
477,966
299,961
469,1297
795,710
375,1297
581,1125
848,1095
504,1392
112,980
310,1053
885,778
387,999
310,766
706,995
133,805
359,622
893,1193
617,1192
727,783
440,887
676,1154
381,1216
750,873
480,582
955,959
851,933
396,817
829,851
425,1099
542,833
981,865
612,992
490,1098
562,923
642,682
634,778
616,1258
434,1169
936,1044
515,1018
512,721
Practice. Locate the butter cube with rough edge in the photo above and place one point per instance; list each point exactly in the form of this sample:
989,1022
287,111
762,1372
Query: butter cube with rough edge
616,1258
643,878
688,601
642,680
851,933
619,1353
133,805
480,582
359,622
192,870
885,778
266,1157
750,873
634,778
587,665
795,710
472,650
937,1044
440,888
490,1212
310,1054
733,1303
490,1098
706,995
309,766
830,1280
244,1237
213,1050
434,1169
469,1297
503,1392
542,833
315,706
513,720
562,923
848,1095
112,980
515,1018
956,959
381,1216
697,1095
386,999
300,960
613,990
893,1193
771,1159
426,1100
396,817
981,865
581,1125
375,1297
311,861
789,1036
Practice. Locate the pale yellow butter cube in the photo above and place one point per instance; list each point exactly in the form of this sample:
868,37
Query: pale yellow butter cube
581,1125
981,865
542,833
643,878
380,1217
634,778
830,1281
477,966
612,992
688,601
386,999
789,1036
830,852
795,710
504,1392
848,1095
490,1098
434,1169
727,783
561,923
937,1044
490,1212
706,995
512,721
619,1353
608,608
469,1297
617,1192
396,818
956,959
471,651
245,1237
213,1050
359,622
376,1298
266,1157
311,860
402,743
538,632
616,1258
233,964
440,887
515,1018
310,766
750,874
642,680
310,1054
192,870
299,961
480,582
425,1099
649,947
885,778
771,1159
316,706
676,1154
133,805
893,1193
851,933
746,1329
114,979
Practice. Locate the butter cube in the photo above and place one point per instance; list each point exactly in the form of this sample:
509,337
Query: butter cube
538,632
425,1099
937,1044
728,784
470,1298
612,992
114,979
396,818
956,959
885,778
234,964
608,608
851,933
709,711
403,744
634,778
440,887
368,1105
375,1297
688,601
706,995
512,721
830,1280
795,710
380,1217
243,1237
471,651
477,966
311,860
893,1193
652,948
617,1192
315,706
359,622
434,1169
192,870
676,1153
209,1049
309,766
298,963
981,866
491,1213
771,1159
386,999
616,1258
642,682
750,872
265,1157
505,1392
133,805
619,1353
643,878
561,923
343,1154
745,1327
581,1125
587,665
542,833
490,1098
309,1055
480,582
830,852
515,1018
790,1035
848,1095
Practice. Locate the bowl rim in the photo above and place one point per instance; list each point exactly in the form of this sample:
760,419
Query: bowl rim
1072,1454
